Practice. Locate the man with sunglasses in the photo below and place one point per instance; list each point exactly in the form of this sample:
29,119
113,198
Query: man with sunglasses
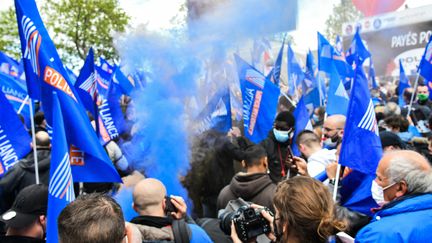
277,146
403,188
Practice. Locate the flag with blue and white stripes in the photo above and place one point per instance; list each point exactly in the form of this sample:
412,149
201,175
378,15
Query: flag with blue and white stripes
60,188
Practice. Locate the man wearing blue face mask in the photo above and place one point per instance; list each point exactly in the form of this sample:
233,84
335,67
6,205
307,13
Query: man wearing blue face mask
403,187
277,145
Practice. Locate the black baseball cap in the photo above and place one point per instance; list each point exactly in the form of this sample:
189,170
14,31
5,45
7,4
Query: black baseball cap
30,203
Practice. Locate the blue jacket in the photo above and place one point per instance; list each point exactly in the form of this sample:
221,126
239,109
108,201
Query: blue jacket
406,220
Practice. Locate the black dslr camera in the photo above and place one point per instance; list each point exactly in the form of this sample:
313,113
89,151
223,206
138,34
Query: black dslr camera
248,221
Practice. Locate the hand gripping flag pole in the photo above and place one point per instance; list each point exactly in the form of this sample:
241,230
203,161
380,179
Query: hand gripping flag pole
413,93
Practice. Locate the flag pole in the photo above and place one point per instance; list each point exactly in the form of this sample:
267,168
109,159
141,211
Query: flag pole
289,99
34,142
412,95
23,104
336,185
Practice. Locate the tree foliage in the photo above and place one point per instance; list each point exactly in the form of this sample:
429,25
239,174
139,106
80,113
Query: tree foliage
74,26
9,40
343,12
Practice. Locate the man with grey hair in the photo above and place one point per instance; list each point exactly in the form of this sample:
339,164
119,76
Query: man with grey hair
391,108
403,188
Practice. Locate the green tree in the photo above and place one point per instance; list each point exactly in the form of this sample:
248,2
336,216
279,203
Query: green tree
9,40
343,12
74,26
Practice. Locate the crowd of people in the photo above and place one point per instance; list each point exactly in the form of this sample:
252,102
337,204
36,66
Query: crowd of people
291,197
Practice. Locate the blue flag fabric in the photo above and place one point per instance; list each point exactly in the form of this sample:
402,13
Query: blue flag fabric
337,101
16,92
403,84
260,98
361,145
103,80
14,139
275,73
138,79
121,79
45,73
425,67
372,74
357,50
295,72
106,66
217,113
60,188
72,76
329,56
86,85
302,122
110,114
8,65
325,54
309,81
356,192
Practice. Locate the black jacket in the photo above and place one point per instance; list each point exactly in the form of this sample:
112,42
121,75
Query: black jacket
257,188
22,174
272,147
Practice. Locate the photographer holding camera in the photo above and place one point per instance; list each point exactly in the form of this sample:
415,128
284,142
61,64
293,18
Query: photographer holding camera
304,213
162,218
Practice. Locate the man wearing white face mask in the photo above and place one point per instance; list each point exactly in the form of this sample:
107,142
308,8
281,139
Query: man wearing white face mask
333,130
403,187
277,145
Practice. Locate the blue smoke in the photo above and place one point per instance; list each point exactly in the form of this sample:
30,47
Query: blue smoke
176,64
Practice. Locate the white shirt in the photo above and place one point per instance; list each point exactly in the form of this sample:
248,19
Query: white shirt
319,160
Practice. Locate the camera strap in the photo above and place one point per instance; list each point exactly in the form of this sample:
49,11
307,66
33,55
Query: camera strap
181,231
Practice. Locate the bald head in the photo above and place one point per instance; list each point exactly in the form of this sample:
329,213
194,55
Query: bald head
336,120
148,197
42,139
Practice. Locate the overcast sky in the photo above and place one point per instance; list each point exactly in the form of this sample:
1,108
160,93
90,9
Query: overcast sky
157,14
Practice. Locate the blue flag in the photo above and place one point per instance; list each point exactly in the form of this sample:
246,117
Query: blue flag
357,50
16,92
295,72
138,79
325,54
14,139
425,67
103,80
337,101
275,73
260,53
217,113
86,85
8,65
121,79
329,56
45,73
361,145
356,192
260,98
371,75
302,122
106,66
72,76
110,114
403,84
60,189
